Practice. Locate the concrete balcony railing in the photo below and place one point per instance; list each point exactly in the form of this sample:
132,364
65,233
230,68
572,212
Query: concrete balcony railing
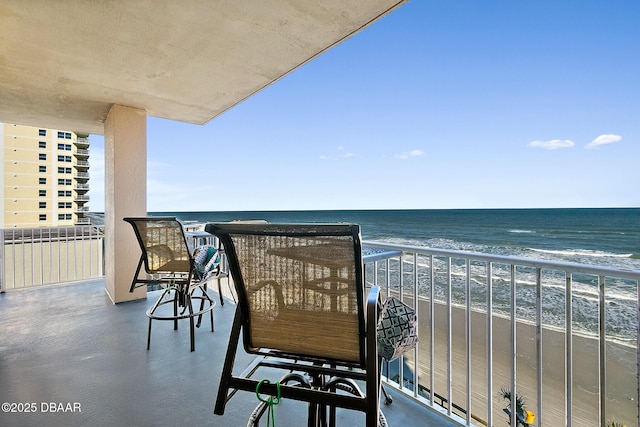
46,255
82,141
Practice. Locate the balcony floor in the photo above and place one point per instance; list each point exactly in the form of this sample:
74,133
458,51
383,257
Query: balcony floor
69,345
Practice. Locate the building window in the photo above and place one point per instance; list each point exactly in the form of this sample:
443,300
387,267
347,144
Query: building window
64,216
42,217
42,205
62,181
67,135
42,168
64,170
42,193
64,205
65,147
42,132
42,144
42,156
42,180
61,135
66,159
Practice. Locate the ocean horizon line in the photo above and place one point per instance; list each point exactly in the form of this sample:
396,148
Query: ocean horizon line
393,209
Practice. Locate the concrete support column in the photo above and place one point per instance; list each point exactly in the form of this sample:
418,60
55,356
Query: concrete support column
125,158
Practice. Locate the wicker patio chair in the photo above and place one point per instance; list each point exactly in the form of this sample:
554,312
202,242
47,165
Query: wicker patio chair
169,263
301,309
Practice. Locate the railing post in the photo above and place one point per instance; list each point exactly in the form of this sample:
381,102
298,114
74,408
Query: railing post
513,356
489,345
569,351
467,333
431,331
602,356
539,344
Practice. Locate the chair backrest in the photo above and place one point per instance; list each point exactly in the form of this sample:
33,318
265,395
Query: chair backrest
300,288
163,244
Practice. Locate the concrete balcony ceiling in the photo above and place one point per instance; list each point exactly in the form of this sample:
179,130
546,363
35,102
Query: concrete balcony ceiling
63,64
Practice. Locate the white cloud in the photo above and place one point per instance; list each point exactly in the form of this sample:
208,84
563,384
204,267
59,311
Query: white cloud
603,140
339,156
412,153
552,144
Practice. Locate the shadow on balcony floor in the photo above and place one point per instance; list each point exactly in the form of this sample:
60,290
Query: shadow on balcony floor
72,358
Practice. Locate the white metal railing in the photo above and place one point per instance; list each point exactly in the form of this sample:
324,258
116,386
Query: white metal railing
563,336
38,256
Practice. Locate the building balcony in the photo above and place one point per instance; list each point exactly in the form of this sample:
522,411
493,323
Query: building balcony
82,187
82,198
81,153
82,164
82,175
82,141
464,359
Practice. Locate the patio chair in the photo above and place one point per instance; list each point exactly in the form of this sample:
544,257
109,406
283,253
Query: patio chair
169,263
301,309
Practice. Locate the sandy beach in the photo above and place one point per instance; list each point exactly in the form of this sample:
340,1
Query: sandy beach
621,373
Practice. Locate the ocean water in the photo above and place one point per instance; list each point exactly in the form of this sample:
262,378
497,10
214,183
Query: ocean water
604,237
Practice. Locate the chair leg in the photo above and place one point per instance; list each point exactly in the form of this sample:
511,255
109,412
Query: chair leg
204,295
229,360
175,310
149,335
220,291
192,332
211,314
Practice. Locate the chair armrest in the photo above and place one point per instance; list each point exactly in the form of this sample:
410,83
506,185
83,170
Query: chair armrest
372,310
373,360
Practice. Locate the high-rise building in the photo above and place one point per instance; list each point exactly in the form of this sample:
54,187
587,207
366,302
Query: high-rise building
45,175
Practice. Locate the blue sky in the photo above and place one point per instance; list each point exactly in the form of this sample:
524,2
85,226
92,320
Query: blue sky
441,104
